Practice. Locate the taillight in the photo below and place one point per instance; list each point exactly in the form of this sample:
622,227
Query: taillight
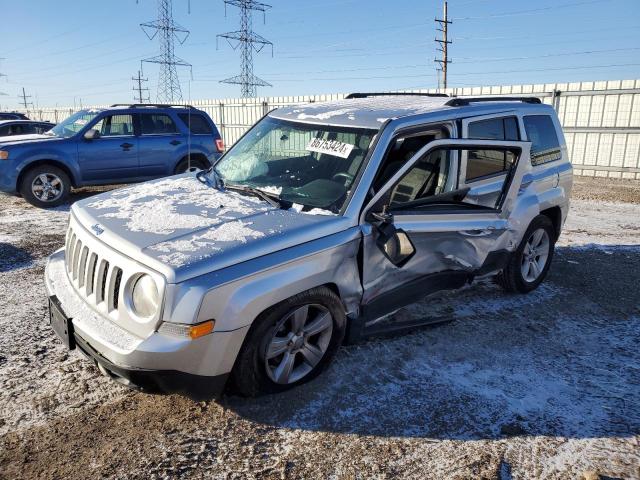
220,145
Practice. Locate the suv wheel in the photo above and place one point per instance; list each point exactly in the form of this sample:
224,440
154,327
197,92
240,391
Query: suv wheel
530,263
45,186
290,343
183,165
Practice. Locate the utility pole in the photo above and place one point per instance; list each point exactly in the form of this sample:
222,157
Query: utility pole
443,45
24,98
167,30
2,75
138,81
248,41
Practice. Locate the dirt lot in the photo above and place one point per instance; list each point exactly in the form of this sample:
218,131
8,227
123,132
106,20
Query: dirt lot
545,385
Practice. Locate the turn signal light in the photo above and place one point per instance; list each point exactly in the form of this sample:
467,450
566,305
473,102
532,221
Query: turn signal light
220,145
4,155
204,328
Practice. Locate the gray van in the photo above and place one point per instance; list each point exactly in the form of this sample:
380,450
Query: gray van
316,227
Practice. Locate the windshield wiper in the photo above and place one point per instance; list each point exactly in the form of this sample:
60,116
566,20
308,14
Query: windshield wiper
273,200
218,182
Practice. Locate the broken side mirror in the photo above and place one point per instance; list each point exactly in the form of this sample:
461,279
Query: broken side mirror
395,244
91,134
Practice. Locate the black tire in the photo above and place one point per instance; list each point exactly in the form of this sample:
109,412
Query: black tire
183,165
50,171
249,375
512,278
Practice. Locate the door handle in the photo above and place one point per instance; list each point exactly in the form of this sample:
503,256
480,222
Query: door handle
477,233
126,146
175,142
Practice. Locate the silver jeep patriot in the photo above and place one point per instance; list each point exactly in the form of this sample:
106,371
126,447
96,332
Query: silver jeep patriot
318,226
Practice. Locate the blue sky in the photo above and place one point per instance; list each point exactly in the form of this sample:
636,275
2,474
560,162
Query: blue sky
72,51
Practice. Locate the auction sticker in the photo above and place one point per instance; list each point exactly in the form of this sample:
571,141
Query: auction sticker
330,147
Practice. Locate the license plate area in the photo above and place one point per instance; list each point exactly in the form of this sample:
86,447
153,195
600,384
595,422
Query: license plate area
61,324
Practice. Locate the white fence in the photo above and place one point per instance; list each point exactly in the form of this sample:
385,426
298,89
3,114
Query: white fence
601,120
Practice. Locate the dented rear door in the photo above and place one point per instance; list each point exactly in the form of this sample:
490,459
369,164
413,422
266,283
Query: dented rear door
450,243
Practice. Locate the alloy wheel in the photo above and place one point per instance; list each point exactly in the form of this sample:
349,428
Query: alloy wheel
47,187
535,255
299,342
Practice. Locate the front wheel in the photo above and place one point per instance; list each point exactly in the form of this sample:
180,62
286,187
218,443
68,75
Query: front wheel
45,186
290,343
530,263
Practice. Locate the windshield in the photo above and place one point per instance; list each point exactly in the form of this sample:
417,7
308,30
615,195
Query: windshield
72,125
310,165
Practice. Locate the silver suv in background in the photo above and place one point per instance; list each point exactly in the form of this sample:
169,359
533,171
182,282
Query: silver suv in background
318,224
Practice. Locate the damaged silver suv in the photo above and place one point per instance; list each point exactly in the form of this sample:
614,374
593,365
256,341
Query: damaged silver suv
318,225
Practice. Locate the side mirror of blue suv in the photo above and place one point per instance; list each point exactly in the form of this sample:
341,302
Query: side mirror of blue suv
120,144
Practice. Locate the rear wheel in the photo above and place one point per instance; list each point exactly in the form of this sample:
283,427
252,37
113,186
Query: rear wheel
45,186
530,263
290,343
184,165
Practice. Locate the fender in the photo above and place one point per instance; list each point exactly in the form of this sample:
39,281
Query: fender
65,155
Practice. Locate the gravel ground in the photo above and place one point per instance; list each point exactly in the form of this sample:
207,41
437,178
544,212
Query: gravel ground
545,385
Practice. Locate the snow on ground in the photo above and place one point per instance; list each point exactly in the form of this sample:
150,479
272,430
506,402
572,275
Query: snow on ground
544,385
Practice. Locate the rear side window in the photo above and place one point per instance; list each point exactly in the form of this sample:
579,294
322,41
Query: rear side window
157,124
196,123
487,163
541,131
505,128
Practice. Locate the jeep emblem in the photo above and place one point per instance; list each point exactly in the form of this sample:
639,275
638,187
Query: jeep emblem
97,229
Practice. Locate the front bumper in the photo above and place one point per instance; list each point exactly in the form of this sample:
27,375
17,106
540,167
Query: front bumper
159,363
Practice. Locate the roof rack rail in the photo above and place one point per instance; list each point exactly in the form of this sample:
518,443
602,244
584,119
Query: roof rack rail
394,94
461,101
157,105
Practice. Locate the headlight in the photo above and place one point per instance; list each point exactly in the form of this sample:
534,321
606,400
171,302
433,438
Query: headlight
145,298
4,155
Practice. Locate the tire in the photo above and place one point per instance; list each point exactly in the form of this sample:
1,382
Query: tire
183,165
255,374
514,278
45,186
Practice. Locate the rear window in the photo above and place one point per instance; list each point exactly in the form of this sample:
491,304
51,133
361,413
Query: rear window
196,123
157,124
541,131
505,128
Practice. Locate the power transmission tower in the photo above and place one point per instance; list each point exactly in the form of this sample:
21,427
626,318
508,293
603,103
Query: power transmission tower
248,41
167,30
24,98
137,87
443,45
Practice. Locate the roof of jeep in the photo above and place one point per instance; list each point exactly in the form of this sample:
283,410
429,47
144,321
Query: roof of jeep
374,111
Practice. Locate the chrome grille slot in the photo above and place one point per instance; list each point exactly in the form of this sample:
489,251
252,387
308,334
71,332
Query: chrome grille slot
91,273
103,271
83,266
69,255
114,288
76,259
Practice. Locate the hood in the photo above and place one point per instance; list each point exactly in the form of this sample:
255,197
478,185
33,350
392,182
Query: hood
31,138
183,228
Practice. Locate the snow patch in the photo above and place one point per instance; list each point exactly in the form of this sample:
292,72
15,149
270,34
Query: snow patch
325,115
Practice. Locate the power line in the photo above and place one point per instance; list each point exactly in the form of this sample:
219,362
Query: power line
137,87
168,83
248,41
533,11
443,44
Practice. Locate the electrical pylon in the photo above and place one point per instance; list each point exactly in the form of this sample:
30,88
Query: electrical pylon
248,41
167,30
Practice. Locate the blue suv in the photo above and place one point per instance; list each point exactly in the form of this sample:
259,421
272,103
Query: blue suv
120,144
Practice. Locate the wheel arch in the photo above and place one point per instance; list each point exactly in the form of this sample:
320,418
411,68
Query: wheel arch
555,215
45,161
194,156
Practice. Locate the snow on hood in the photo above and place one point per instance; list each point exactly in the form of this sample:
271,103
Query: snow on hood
179,222
17,139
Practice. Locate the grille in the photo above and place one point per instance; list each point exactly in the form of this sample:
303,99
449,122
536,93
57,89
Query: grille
94,278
